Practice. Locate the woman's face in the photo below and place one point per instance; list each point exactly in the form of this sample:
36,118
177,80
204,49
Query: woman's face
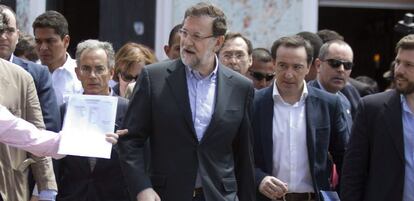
132,73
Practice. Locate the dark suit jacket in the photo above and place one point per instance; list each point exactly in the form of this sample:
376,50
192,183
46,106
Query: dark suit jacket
374,163
352,94
76,181
45,92
160,110
326,132
362,88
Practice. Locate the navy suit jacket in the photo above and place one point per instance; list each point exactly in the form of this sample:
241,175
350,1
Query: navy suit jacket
77,182
374,163
352,94
326,132
45,92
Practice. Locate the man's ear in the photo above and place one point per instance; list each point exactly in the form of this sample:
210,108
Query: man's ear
166,49
78,73
66,41
219,43
318,64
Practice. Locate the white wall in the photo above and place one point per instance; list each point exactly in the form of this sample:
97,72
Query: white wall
261,21
27,11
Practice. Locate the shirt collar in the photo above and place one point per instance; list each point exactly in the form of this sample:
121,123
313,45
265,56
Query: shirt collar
404,105
196,74
277,97
11,58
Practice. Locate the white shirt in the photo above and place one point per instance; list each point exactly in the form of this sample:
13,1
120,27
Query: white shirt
290,152
65,82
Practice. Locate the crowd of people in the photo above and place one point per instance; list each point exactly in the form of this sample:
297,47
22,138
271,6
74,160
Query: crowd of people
219,120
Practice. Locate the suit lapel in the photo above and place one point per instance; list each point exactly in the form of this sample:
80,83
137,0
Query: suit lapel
393,120
223,95
311,115
178,85
267,124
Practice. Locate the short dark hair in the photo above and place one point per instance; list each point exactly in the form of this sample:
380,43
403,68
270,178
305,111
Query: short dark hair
261,54
173,32
406,43
314,40
205,9
233,35
294,41
52,19
328,35
324,51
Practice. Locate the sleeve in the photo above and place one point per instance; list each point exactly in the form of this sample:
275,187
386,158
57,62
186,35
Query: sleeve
339,134
42,168
355,168
48,102
21,134
243,154
131,146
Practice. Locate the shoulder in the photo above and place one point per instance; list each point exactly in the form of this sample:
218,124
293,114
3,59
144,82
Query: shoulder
12,71
122,102
238,80
379,99
323,96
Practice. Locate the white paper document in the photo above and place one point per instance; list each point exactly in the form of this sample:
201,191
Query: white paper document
88,118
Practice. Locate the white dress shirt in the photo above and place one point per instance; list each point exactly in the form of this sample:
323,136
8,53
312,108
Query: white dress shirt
290,152
65,82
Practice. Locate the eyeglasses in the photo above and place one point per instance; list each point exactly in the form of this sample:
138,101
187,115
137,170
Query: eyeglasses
128,77
194,37
335,63
8,30
86,70
238,55
260,76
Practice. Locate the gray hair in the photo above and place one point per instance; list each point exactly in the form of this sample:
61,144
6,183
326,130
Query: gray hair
95,45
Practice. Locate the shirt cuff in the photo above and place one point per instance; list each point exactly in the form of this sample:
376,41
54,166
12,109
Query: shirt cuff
47,195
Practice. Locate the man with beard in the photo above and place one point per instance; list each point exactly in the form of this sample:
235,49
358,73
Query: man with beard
196,114
379,161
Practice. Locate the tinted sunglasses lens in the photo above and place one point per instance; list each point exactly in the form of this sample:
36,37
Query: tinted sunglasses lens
127,78
337,63
269,77
258,76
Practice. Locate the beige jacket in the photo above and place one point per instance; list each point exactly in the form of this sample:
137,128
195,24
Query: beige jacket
18,94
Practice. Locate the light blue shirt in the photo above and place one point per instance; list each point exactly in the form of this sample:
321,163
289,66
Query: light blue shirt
202,94
408,129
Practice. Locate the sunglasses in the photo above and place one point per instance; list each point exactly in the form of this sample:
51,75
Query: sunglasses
260,76
335,63
127,77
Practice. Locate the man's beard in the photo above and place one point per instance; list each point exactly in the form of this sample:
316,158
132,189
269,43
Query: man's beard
407,89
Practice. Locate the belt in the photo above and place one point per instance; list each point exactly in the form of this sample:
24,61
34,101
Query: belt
197,192
298,197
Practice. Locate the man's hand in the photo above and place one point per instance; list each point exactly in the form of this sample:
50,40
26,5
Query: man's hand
272,187
113,137
148,195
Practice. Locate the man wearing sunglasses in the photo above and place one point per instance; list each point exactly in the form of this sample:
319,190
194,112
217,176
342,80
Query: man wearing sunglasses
262,70
334,66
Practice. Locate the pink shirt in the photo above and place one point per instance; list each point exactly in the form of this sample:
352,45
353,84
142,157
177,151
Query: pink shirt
19,133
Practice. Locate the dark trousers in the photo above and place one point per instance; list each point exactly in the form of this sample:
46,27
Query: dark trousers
199,197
